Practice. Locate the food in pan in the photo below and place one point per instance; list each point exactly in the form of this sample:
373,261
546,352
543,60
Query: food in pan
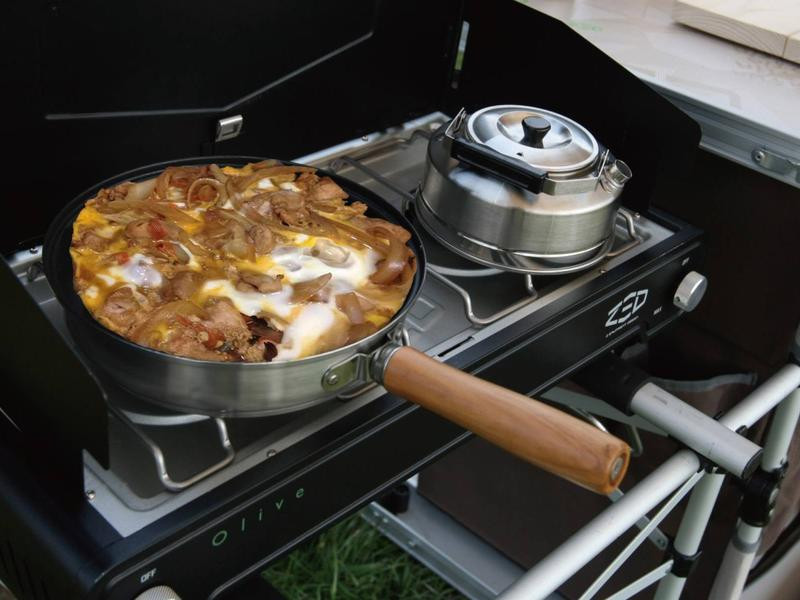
266,262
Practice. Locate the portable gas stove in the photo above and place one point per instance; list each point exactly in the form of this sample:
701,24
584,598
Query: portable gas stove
101,497
311,468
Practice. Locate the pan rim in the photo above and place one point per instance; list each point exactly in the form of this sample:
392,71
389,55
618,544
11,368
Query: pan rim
75,205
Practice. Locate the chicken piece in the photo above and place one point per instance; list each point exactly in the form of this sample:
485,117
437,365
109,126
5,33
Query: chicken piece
184,284
117,192
263,240
326,189
121,308
223,317
289,207
93,241
186,341
226,234
305,181
258,208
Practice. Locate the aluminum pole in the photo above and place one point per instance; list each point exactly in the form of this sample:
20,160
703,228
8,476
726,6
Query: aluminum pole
701,433
781,432
739,556
763,399
732,575
545,577
690,531
593,538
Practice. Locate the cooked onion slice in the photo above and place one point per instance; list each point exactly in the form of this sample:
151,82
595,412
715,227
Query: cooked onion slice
218,173
197,183
261,328
141,190
266,284
348,303
242,183
304,290
394,263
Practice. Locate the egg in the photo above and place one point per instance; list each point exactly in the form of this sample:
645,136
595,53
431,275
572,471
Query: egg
299,338
192,264
266,184
301,265
107,279
252,303
138,271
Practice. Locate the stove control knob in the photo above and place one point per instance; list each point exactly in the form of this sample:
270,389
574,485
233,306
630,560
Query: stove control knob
161,592
690,291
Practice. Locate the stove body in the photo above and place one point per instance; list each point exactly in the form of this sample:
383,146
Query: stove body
100,498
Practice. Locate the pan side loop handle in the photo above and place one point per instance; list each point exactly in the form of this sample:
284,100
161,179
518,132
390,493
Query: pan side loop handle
529,429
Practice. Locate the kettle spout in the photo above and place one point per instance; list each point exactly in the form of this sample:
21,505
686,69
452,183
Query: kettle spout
615,175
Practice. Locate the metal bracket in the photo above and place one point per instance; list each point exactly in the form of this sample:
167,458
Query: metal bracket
760,496
340,375
166,479
777,163
229,128
455,124
682,564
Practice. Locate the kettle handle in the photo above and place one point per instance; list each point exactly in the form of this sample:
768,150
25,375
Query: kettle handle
503,167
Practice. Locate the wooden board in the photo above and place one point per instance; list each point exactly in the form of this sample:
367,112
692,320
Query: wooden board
771,26
793,48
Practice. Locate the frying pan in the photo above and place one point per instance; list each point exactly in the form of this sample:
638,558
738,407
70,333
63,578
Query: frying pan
529,429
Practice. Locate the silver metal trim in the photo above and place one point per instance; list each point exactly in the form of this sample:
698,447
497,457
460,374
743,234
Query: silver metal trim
731,136
380,360
467,299
351,370
229,128
161,464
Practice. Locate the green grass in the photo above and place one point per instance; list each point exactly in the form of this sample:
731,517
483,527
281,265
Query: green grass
353,561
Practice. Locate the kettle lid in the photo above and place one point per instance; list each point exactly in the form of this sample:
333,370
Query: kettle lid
543,139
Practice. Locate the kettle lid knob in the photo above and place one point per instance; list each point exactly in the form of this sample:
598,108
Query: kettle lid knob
534,129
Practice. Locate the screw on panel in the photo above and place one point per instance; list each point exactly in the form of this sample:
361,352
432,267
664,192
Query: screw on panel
364,138
271,452
758,155
90,495
602,270
331,379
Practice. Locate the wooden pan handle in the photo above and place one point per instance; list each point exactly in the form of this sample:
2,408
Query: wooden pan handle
535,432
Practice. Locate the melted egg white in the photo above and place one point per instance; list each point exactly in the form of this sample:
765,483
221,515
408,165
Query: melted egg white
138,271
304,324
302,333
252,303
